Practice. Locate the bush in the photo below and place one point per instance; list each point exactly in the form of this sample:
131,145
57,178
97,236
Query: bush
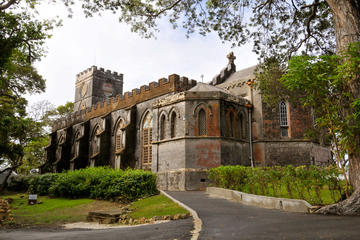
20,183
99,183
40,184
317,185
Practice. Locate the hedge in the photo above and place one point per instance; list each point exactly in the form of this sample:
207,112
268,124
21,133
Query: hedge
317,185
99,183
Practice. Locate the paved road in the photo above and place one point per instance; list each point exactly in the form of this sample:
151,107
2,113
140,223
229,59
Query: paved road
223,219
179,229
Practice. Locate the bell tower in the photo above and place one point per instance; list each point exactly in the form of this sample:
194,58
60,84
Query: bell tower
94,85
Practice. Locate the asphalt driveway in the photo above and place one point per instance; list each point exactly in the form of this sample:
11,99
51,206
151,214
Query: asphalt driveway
179,229
224,219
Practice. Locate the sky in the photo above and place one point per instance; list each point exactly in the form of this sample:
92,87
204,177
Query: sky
104,42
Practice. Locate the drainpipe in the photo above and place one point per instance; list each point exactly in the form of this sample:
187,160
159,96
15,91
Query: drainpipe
250,137
250,106
157,145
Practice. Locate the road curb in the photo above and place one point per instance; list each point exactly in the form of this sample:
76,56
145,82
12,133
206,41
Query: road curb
289,205
197,220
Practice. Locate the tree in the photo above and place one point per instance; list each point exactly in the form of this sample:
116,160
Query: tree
43,114
22,37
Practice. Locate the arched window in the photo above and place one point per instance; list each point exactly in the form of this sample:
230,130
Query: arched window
202,122
119,136
173,125
283,119
162,127
146,141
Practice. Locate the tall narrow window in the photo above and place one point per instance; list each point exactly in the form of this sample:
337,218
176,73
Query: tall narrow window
173,125
146,141
162,127
202,122
283,119
119,136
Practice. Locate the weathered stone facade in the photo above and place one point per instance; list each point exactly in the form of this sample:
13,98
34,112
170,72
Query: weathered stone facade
179,128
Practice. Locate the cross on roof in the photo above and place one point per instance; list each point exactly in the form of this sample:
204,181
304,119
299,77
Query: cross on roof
231,57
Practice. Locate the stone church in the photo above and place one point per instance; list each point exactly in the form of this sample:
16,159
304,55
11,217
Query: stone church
178,128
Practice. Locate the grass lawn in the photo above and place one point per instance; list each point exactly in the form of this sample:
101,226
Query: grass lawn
158,205
56,211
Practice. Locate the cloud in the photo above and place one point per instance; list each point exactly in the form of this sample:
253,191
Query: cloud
103,41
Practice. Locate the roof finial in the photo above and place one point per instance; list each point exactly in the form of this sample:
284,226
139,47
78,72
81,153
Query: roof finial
231,57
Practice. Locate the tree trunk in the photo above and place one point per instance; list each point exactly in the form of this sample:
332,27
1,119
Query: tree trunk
346,15
347,30
350,206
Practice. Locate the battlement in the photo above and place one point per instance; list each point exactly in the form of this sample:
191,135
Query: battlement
173,84
98,71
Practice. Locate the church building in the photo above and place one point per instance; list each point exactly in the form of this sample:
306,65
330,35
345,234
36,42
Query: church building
178,128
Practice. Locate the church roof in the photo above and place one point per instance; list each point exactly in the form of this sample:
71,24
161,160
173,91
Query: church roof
204,87
242,75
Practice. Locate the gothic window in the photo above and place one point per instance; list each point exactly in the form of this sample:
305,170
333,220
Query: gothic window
202,122
162,127
146,141
283,119
119,136
173,125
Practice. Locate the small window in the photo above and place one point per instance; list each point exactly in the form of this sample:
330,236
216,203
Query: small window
173,125
283,119
162,127
202,122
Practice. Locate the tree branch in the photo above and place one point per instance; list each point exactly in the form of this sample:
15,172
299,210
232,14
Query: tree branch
7,5
163,10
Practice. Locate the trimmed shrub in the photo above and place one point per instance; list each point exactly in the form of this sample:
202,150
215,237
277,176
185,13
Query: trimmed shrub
20,183
99,183
317,185
40,184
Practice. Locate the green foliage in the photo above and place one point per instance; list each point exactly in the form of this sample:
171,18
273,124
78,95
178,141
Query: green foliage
19,183
317,185
22,37
324,82
40,183
99,183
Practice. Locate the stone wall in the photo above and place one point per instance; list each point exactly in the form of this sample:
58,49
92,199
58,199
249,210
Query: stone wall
296,153
299,120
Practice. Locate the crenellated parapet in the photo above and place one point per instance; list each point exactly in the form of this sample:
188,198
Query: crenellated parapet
95,70
173,84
